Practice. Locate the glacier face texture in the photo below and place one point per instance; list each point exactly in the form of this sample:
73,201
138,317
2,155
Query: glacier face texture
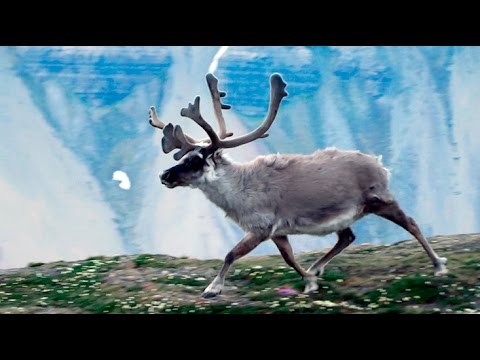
72,116
51,205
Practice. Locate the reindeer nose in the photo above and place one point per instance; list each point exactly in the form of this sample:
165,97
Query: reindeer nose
166,176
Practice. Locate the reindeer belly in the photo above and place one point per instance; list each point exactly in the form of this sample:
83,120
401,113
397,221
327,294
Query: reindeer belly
320,228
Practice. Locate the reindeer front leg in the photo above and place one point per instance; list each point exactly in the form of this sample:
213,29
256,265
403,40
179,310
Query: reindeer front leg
247,244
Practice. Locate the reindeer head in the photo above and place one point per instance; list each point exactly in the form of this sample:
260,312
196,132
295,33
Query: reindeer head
198,155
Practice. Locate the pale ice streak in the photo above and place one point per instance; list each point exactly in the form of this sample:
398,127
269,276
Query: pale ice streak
123,178
218,55
51,206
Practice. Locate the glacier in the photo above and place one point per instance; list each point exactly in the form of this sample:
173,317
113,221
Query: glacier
72,116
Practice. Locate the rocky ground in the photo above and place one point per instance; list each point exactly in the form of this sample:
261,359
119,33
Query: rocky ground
364,279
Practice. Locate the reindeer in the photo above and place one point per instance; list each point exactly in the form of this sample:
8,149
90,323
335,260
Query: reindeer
274,196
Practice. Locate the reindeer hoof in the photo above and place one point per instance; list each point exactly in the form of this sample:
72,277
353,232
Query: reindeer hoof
311,285
210,294
214,289
441,270
443,260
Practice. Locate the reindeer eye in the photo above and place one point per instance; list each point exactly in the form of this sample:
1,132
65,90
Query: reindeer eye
196,163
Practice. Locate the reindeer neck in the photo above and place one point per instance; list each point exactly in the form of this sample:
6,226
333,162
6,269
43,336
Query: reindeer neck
224,184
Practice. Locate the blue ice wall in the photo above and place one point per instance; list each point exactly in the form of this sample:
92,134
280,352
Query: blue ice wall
416,106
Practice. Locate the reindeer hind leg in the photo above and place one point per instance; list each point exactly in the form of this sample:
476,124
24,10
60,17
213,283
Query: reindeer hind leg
392,211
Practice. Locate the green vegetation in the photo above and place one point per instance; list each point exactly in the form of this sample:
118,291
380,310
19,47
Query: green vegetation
396,279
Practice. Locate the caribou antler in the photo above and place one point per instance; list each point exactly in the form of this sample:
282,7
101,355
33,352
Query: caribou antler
212,83
174,138
156,122
277,93
153,118
193,112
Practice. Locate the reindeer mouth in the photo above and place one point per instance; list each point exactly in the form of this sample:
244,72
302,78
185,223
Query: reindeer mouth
172,184
169,185
169,179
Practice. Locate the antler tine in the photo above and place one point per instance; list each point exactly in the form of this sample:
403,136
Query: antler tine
153,118
212,83
193,112
156,122
174,138
277,93
186,145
